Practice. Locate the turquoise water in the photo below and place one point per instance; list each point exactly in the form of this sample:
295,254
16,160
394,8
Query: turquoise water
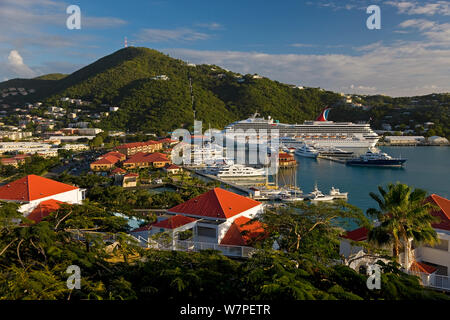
427,168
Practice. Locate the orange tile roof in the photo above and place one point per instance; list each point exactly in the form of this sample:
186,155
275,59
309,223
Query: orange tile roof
359,234
118,170
114,154
174,222
422,267
217,203
444,213
142,157
32,187
137,144
241,234
44,209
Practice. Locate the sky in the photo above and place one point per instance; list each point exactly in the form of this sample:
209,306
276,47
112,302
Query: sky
313,43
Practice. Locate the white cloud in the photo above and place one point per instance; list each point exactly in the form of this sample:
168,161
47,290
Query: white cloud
437,33
17,67
302,45
397,70
164,35
416,8
210,26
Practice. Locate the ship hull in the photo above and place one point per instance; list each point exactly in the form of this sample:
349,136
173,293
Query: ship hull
376,163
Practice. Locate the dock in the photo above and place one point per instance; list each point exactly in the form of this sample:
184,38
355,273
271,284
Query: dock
243,189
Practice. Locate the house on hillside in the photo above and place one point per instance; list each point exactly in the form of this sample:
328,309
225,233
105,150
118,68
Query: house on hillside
432,263
32,190
218,219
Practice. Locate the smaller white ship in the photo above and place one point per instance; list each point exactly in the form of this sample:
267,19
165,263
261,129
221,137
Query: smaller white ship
307,151
317,195
239,171
336,194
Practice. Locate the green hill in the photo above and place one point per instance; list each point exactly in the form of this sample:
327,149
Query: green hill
125,79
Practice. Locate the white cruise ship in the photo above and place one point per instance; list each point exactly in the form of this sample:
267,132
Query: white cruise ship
239,171
321,132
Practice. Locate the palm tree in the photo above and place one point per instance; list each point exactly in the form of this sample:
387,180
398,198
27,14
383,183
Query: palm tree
403,215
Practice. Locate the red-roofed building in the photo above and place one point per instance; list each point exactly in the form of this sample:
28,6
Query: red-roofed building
216,210
44,209
145,160
173,169
244,232
107,161
132,148
130,180
31,190
219,220
424,259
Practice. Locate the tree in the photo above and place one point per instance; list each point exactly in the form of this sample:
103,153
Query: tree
403,214
311,229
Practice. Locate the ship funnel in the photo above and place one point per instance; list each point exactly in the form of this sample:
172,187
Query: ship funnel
324,115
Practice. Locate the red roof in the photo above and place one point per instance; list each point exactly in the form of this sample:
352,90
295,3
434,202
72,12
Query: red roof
118,170
444,213
217,203
240,233
142,157
174,222
44,209
114,154
32,187
172,166
359,234
143,228
167,140
422,267
131,174
137,144
8,160
106,160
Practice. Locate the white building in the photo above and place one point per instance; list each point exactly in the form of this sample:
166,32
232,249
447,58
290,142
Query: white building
437,140
31,190
217,218
432,263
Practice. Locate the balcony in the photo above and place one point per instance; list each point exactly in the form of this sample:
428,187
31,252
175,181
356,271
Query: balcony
433,281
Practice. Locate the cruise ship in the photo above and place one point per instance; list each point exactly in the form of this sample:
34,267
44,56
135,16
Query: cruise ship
320,132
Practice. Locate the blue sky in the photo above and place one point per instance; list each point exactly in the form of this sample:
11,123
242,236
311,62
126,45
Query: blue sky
322,43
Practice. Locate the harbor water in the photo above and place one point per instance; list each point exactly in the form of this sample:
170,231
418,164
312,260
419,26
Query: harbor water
427,168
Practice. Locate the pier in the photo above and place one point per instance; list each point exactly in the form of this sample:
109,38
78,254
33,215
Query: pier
243,189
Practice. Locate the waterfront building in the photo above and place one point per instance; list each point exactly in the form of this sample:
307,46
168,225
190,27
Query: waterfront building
145,160
404,140
107,161
132,148
286,160
31,190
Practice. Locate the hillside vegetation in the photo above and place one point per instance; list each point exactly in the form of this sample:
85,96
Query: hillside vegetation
126,79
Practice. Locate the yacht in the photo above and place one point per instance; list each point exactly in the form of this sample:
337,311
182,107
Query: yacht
237,171
307,151
320,132
317,195
336,194
333,152
375,158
